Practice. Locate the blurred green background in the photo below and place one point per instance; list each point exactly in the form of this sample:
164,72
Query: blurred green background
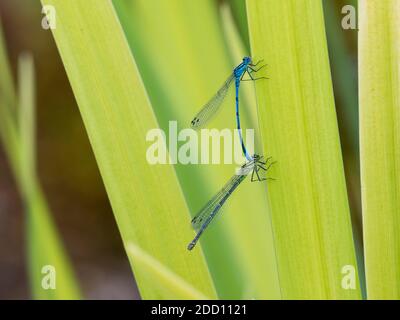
69,174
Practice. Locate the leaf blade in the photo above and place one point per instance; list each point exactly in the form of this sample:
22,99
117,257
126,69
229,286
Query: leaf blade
310,212
146,199
379,58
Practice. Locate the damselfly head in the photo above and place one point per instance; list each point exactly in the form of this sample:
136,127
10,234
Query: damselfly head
247,60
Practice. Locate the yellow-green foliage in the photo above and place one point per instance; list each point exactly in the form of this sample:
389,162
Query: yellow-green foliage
310,212
183,60
146,199
17,129
379,76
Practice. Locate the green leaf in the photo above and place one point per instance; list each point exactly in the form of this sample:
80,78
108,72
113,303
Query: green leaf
240,15
183,60
45,252
310,211
26,121
147,201
8,130
159,276
44,247
237,50
6,80
345,87
346,84
379,74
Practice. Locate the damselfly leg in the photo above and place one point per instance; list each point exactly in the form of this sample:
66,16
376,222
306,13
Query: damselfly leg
256,70
250,70
261,165
256,64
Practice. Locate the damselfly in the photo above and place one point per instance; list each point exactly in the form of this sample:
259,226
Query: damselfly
210,210
212,106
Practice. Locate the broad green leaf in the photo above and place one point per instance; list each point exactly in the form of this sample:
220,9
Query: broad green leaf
345,71
345,86
240,15
167,282
379,76
147,201
183,59
309,206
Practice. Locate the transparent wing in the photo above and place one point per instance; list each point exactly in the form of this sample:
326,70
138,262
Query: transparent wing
202,221
212,106
208,209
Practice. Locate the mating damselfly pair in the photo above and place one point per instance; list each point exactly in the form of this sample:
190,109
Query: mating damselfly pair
253,164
